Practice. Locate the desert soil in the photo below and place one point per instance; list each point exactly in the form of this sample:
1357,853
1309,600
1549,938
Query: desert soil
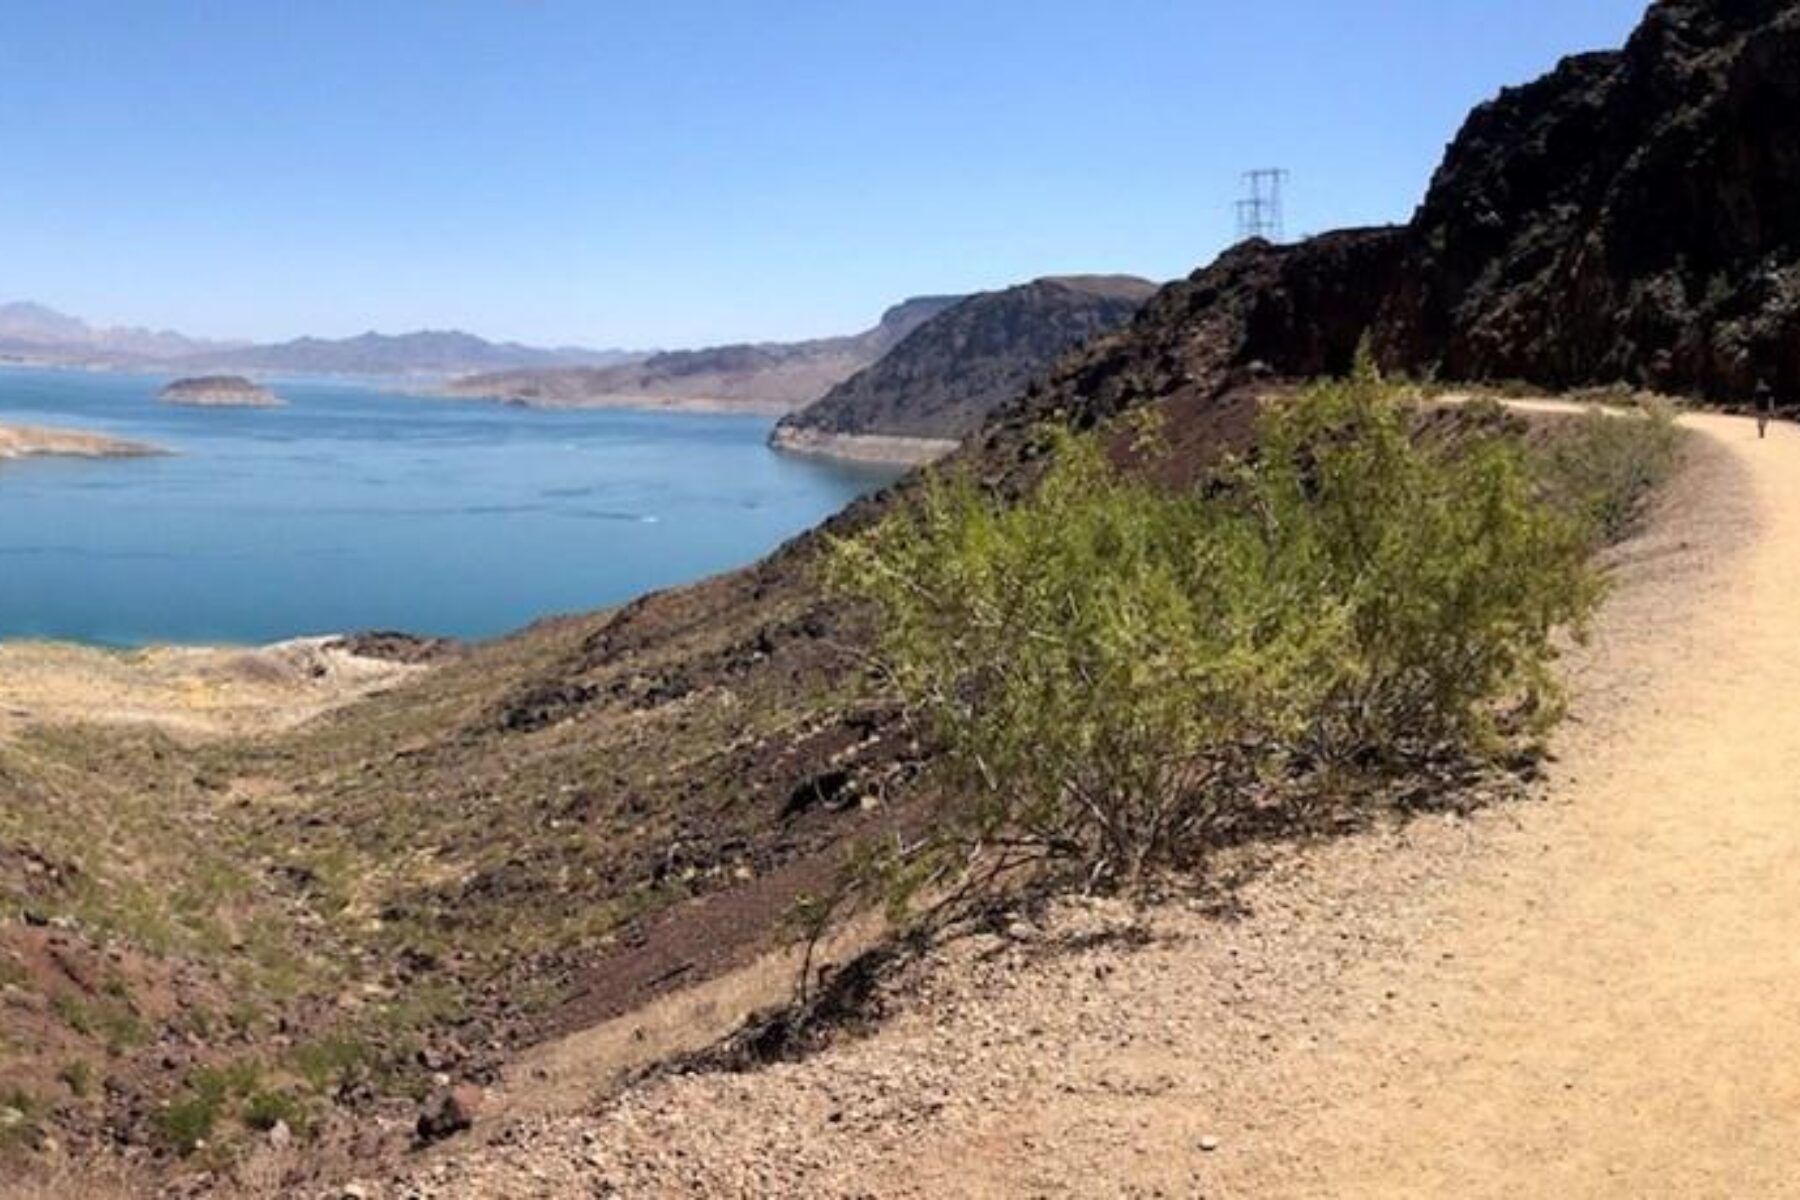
1592,994
193,691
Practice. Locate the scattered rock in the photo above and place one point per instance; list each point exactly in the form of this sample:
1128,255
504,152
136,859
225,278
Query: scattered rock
449,1111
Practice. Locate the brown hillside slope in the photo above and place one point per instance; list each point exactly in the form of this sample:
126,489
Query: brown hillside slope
1592,996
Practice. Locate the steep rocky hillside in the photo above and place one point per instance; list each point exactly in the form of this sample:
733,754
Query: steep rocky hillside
545,831
1631,217
941,382
1628,218
774,377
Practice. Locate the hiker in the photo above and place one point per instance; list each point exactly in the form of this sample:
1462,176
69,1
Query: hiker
1765,408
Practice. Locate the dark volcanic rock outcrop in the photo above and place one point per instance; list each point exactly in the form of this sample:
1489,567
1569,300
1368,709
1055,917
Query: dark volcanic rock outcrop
1632,217
943,380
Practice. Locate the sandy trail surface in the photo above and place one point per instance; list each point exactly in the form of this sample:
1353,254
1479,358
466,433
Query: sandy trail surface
1592,995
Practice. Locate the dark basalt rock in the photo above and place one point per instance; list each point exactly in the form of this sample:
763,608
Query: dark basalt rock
949,373
1632,217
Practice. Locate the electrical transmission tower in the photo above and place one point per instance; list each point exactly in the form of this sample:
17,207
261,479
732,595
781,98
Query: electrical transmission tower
1259,212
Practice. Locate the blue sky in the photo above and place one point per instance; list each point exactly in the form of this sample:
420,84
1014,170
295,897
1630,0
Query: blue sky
680,172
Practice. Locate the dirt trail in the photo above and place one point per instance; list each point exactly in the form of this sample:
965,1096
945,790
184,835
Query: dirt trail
1623,1016
1594,996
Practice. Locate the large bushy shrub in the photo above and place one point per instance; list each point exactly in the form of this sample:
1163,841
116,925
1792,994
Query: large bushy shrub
1112,667
1443,566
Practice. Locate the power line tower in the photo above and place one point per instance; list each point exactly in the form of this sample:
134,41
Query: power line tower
1259,212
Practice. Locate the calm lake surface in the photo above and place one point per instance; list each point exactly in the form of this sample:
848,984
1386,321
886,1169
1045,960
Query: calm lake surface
353,508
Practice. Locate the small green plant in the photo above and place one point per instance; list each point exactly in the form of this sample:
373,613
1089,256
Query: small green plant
190,1120
187,1123
1094,659
108,1017
263,1110
325,1063
79,1076
19,1112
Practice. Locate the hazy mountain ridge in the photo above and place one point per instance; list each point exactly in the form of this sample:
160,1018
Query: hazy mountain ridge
36,334
752,377
425,352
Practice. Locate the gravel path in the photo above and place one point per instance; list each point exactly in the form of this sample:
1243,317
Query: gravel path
1597,994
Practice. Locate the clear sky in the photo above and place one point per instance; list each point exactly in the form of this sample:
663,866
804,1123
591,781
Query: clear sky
677,172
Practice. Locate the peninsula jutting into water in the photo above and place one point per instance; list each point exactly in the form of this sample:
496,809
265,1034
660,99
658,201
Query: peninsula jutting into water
31,441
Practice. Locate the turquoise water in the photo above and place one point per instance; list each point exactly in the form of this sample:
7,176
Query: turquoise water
357,509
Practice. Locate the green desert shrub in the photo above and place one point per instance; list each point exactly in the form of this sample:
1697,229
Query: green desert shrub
265,1109
1604,467
1112,668
1438,561
189,1120
1095,659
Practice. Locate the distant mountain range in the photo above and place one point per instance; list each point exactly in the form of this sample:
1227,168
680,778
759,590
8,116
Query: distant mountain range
768,377
35,333
32,333
940,383
428,352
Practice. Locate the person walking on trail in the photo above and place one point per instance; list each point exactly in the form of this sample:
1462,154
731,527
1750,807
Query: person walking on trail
1765,408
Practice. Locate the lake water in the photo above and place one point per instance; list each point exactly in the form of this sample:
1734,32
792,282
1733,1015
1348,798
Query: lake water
353,508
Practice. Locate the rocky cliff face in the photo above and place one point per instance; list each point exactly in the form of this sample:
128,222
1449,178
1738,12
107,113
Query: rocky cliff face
1633,217
942,381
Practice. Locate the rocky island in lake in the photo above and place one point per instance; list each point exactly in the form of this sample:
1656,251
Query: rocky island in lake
219,391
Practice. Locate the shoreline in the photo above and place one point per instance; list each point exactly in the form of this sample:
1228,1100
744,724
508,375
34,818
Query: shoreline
39,441
627,401
886,449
